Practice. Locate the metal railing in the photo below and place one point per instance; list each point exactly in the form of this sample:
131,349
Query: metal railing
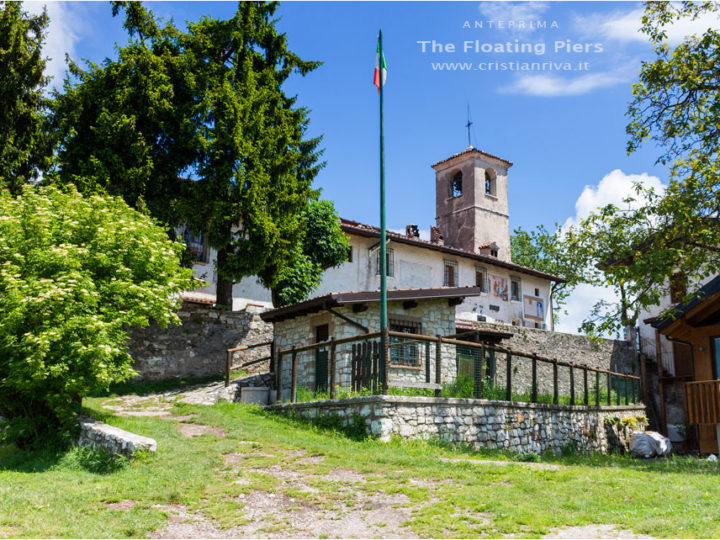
496,372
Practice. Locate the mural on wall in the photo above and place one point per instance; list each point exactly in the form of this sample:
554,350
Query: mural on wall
498,286
533,308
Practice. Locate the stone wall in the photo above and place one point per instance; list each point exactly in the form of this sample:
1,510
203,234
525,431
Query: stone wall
606,354
198,346
96,434
520,427
436,317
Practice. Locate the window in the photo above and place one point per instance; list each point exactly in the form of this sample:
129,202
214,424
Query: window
196,244
515,289
490,182
406,355
390,262
349,254
450,276
481,278
494,253
455,186
537,291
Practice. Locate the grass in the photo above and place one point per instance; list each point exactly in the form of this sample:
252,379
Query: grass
463,387
50,494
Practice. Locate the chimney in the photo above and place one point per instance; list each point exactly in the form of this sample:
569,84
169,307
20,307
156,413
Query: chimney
436,237
412,231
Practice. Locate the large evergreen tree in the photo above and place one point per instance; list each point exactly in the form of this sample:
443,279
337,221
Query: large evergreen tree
24,148
196,127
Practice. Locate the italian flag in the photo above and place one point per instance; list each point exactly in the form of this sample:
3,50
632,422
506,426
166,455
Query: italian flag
379,65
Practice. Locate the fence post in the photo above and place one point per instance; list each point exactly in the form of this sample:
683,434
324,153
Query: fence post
375,376
332,368
293,387
625,390
617,392
555,382
427,361
586,396
634,394
278,376
533,396
385,360
228,362
572,384
508,377
597,388
609,398
478,372
438,364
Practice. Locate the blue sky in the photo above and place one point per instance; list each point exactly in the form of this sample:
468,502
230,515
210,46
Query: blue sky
564,130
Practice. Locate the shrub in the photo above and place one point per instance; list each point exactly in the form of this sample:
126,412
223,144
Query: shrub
76,274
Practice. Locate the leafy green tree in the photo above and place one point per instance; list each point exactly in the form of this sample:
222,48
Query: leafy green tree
551,252
324,246
76,274
676,105
24,145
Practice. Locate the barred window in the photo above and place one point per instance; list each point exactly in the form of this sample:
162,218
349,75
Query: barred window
407,355
450,278
390,256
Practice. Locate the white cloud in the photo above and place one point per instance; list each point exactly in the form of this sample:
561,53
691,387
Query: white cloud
62,35
512,11
544,85
625,26
613,188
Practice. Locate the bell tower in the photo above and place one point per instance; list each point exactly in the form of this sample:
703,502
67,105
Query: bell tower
471,202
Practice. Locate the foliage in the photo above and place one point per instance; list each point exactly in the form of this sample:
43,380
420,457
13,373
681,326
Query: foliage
324,245
195,126
24,147
551,253
675,106
76,274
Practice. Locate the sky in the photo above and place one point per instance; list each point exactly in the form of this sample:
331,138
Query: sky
547,86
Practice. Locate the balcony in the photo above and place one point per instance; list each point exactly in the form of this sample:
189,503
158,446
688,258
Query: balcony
702,402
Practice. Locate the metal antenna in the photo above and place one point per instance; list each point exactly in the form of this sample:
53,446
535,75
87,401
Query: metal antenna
468,125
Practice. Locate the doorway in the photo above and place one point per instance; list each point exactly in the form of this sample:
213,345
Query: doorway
322,333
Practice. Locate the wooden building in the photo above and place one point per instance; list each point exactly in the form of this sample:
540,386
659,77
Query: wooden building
695,325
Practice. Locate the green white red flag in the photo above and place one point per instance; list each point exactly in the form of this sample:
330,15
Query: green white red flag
380,67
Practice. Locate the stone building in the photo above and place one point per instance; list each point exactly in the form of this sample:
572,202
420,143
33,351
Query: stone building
469,246
342,315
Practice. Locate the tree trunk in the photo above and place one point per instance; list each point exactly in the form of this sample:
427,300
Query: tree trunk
223,288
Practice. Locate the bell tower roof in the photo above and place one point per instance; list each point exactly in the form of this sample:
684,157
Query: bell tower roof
465,153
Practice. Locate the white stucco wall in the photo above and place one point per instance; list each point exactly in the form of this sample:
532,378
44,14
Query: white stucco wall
414,267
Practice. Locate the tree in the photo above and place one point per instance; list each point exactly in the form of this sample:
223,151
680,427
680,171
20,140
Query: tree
255,167
76,275
550,252
24,146
125,127
324,246
206,105
676,105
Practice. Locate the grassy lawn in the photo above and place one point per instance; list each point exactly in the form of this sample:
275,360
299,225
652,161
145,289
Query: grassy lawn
73,495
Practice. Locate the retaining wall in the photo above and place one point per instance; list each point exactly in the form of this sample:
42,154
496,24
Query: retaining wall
97,434
198,346
520,427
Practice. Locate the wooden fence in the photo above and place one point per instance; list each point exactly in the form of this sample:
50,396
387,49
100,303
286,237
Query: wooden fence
702,402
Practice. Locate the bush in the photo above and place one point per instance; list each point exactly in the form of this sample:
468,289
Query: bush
76,274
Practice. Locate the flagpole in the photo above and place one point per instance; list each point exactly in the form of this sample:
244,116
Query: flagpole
383,245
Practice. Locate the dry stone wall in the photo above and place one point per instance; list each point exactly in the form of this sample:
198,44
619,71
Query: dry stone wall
520,427
198,346
99,435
